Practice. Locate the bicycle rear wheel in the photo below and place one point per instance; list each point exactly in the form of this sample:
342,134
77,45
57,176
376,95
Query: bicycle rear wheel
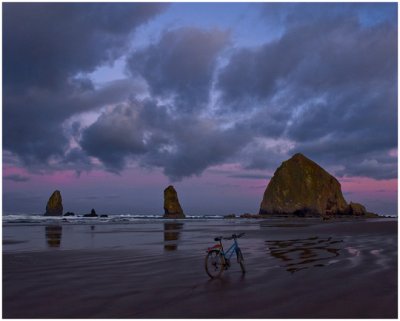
214,263
241,261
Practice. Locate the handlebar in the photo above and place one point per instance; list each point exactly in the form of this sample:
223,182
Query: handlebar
234,236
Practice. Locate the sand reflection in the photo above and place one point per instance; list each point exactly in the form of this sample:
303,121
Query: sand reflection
53,235
171,235
301,254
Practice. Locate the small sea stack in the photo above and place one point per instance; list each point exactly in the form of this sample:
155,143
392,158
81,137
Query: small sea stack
172,208
302,187
356,209
91,214
54,206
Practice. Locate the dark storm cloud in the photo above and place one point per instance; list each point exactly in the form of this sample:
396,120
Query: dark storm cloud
45,43
76,159
327,87
181,65
47,47
181,146
289,14
197,144
370,168
311,59
355,156
179,68
262,154
32,121
336,84
114,136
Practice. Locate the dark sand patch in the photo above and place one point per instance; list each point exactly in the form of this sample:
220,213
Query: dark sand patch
9,242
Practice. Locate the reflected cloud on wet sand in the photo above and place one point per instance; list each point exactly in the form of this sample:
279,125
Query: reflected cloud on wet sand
300,254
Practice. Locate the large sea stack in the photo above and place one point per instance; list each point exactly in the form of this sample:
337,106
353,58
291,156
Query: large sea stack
302,187
172,208
54,205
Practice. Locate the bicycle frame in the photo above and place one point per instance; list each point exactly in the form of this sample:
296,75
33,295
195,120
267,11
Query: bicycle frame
233,249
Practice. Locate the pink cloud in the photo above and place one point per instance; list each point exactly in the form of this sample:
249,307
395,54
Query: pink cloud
363,185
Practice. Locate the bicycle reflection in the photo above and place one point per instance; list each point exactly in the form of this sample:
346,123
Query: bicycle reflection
172,233
301,254
53,235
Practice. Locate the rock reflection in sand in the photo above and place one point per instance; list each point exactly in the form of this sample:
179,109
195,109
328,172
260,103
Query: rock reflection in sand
53,235
171,235
301,254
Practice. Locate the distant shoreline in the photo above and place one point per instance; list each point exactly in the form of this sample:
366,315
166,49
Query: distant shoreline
132,218
245,215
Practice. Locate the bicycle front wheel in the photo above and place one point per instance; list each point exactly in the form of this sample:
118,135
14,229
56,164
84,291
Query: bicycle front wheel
241,261
214,264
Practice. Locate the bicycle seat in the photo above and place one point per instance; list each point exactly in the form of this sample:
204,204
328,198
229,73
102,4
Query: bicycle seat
234,236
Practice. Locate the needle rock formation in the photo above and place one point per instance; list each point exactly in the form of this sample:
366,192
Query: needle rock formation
54,205
172,208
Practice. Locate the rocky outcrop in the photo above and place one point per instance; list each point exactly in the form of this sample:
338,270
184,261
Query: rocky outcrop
356,209
92,214
301,187
249,215
54,205
230,216
172,208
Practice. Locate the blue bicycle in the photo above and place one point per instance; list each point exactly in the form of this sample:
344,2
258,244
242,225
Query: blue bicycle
217,260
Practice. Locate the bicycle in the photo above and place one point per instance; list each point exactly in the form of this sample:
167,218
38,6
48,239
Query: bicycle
217,260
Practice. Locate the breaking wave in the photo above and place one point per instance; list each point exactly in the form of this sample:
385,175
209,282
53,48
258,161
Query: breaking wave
80,219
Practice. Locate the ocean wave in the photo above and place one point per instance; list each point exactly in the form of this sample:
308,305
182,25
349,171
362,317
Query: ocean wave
80,219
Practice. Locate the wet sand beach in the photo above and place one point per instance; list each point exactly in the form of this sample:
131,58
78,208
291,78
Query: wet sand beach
296,268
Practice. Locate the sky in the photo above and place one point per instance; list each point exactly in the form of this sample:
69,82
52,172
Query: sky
112,102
